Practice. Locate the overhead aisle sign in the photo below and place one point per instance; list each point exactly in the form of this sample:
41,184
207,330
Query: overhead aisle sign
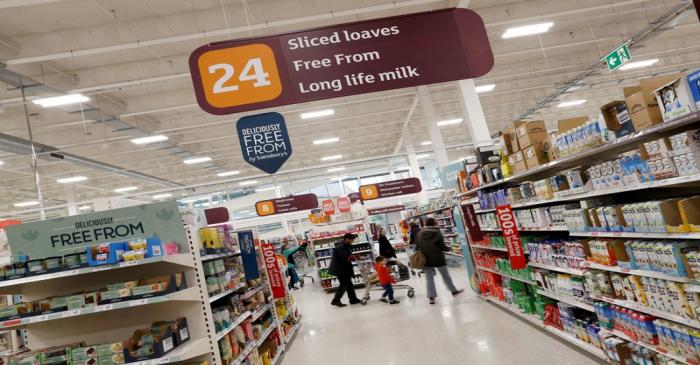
390,188
289,204
340,60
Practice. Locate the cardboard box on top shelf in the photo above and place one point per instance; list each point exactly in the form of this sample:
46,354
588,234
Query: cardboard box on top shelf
549,149
504,144
509,133
674,98
517,162
565,125
534,155
617,118
487,154
690,213
531,132
642,104
673,219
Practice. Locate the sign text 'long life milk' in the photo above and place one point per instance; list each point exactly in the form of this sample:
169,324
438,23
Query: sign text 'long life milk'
340,60
516,253
264,141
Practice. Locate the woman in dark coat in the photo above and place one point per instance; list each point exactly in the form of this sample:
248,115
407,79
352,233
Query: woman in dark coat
385,247
432,244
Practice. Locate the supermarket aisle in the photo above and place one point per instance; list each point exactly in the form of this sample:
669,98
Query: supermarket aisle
465,330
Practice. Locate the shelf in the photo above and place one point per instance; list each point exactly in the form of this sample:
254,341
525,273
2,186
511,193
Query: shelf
657,349
268,330
219,335
246,351
454,254
649,310
506,275
607,151
330,248
323,257
280,349
503,249
660,235
646,273
531,229
589,348
189,294
183,259
556,268
334,236
693,288
227,292
361,251
291,334
251,292
429,212
260,312
566,299
220,255
189,350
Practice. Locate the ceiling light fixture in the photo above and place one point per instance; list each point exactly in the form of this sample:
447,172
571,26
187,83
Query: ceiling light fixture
61,100
248,183
188,201
269,188
638,64
196,160
162,196
449,122
485,88
150,139
567,104
72,179
85,207
326,140
317,114
2,163
425,155
527,30
336,169
126,189
426,143
26,204
331,158
228,173
402,168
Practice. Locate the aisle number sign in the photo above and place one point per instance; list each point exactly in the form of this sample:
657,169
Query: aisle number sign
340,60
618,57
288,204
390,188
516,254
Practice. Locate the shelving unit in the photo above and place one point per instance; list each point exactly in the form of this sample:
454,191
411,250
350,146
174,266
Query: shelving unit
556,268
445,220
506,275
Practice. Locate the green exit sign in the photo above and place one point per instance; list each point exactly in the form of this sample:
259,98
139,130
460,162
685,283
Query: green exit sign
618,57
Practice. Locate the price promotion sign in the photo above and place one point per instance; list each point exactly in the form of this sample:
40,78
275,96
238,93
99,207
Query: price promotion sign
390,188
516,254
274,274
328,207
344,204
340,60
289,204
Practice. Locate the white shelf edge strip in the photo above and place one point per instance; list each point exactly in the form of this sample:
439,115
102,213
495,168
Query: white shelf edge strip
649,346
219,255
267,332
251,292
556,268
489,248
190,349
506,275
530,229
236,323
649,310
260,312
251,345
646,273
661,235
292,332
227,292
566,299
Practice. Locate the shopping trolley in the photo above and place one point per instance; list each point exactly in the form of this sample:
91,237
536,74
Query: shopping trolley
399,271
304,266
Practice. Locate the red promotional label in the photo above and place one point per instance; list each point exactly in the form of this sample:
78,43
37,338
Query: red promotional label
473,228
344,204
340,60
516,254
390,188
328,207
289,204
274,275
393,208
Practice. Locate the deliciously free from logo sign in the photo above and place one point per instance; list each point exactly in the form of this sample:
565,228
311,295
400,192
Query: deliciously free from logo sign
264,141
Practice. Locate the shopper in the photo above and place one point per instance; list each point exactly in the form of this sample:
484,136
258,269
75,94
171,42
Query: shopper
385,247
341,267
291,265
431,242
413,231
385,279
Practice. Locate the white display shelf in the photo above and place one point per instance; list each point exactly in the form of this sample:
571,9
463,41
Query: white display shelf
268,330
183,259
361,251
242,317
220,255
292,332
330,248
506,275
323,257
480,247
454,254
430,212
189,294
556,268
251,292
651,347
227,292
278,354
260,312
648,310
530,229
646,273
189,350
252,345
658,235
599,353
566,299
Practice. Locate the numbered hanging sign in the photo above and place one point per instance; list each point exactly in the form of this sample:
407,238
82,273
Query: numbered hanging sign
264,141
390,188
289,204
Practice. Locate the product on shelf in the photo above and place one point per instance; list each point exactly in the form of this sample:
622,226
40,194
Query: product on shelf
560,253
542,217
217,239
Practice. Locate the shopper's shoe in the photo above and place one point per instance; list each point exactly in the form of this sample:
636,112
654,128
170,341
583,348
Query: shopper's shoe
394,302
431,300
339,304
457,292
384,300
356,301
295,288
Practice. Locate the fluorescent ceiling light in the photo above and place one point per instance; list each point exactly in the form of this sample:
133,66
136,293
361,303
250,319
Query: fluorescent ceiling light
228,173
449,122
326,140
402,168
195,160
2,163
331,158
341,178
72,179
162,196
150,139
260,190
248,183
317,114
188,201
485,88
425,155
567,104
61,100
126,189
244,211
426,143
26,204
527,30
84,207
336,169
639,64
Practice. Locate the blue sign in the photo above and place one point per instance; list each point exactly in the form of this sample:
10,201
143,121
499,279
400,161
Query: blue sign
250,260
264,141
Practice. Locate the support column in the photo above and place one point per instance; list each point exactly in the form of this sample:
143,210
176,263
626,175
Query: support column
70,199
481,136
413,164
438,145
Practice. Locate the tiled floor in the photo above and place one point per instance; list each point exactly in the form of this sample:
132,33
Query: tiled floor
462,330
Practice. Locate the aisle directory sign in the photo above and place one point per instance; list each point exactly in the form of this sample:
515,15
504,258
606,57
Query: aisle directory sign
390,188
264,141
288,204
340,60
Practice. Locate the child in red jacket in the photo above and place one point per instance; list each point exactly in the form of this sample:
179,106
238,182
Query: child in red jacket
385,278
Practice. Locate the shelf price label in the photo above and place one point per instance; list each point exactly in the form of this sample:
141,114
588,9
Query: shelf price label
516,254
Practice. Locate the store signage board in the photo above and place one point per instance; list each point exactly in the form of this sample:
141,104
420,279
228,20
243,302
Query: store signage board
289,204
216,215
618,57
264,141
274,275
66,235
354,197
391,209
328,207
343,203
250,261
340,60
516,254
390,188
473,228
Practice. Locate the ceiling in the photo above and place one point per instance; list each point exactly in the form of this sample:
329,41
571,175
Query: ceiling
130,58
